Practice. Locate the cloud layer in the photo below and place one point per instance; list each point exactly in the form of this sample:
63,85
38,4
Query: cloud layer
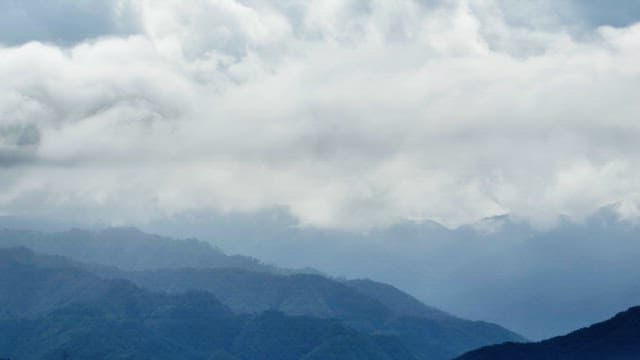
349,114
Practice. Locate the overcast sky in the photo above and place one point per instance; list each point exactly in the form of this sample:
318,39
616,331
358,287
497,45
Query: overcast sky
349,114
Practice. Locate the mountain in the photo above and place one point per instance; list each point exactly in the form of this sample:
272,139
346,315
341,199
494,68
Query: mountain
540,280
364,305
615,339
401,303
115,319
129,249
250,292
32,285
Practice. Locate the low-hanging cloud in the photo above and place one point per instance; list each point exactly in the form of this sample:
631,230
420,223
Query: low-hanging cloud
350,114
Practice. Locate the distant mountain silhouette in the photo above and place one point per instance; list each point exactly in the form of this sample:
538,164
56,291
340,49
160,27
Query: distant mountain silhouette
615,339
131,249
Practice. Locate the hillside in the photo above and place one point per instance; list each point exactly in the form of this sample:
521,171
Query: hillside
115,319
363,305
615,339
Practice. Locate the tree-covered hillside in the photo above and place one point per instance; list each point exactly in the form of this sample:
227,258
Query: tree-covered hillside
115,319
244,285
615,339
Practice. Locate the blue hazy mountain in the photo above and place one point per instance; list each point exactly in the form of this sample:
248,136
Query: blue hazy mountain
131,249
363,305
537,281
53,311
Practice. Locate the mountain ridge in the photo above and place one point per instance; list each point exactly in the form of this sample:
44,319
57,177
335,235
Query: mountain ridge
116,319
309,295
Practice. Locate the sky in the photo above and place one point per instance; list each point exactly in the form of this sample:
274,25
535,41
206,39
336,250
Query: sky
348,114
481,155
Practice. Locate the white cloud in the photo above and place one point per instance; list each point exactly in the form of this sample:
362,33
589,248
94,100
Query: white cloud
351,114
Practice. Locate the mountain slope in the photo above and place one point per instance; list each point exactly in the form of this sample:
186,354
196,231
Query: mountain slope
32,285
248,287
363,304
615,339
114,319
251,292
401,303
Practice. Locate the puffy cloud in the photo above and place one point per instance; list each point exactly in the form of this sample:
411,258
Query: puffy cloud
350,114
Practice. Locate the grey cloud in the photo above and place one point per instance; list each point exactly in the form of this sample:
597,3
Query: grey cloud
10,157
18,144
20,135
348,116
